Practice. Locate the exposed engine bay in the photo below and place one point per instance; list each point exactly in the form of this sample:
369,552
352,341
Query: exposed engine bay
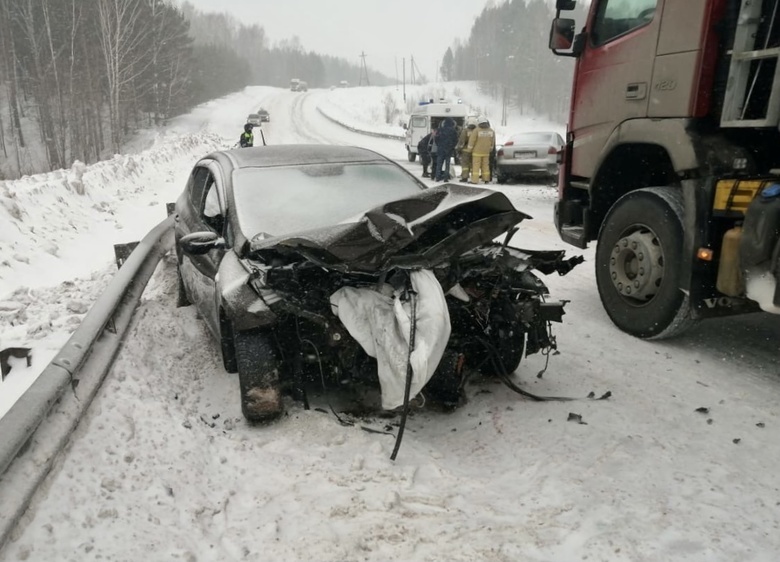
413,295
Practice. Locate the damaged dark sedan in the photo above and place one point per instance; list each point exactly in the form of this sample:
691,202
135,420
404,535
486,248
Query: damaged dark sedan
335,264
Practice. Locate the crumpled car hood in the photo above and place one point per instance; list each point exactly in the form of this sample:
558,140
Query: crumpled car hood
418,231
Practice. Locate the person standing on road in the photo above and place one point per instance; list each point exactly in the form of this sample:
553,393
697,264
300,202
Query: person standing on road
446,139
246,139
433,147
424,150
462,148
482,141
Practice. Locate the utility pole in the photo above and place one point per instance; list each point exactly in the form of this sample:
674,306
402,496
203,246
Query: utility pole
505,102
363,69
412,78
404,67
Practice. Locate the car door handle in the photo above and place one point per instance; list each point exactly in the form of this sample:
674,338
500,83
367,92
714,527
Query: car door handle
636,91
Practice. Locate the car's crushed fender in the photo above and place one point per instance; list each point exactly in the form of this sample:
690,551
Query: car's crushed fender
241,303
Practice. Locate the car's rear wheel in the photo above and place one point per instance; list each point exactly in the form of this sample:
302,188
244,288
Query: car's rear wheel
638,264
501,177
259,366
412,156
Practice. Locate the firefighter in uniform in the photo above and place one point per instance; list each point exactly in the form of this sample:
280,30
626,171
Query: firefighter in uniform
462,148
482,141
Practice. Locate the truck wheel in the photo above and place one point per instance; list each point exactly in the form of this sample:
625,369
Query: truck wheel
181,298
412,156
258,375
638,261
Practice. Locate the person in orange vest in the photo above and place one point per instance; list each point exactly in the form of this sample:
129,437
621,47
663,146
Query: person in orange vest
482,141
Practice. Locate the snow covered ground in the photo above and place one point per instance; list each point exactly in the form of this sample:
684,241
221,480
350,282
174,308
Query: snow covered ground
163,466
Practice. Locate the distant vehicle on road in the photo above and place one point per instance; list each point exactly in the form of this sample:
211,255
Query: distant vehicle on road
529,154
298,85
264,115
254,119
290,289
343,84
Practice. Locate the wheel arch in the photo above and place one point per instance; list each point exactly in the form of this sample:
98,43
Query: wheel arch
627,167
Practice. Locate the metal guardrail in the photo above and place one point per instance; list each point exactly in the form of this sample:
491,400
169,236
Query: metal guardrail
38,426
361,131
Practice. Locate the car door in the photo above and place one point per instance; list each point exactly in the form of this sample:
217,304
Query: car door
613,75
206,211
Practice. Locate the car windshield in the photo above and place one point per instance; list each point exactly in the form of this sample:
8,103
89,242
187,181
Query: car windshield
281,200
532,138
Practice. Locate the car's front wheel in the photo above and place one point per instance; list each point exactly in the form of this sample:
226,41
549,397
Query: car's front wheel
181,298
638,264
259,367
227,342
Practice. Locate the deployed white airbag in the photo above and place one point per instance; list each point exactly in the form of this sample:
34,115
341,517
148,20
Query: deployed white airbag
381,325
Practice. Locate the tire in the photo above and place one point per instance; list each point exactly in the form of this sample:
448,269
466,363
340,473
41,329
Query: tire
500,177
259,366
638,262
227,343
181,298
412,156
446,386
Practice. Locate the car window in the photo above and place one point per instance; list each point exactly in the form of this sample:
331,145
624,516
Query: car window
282,200
198,181
211,212
617,17
559,140
418,121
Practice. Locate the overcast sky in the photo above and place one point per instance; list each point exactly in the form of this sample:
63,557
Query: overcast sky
387,30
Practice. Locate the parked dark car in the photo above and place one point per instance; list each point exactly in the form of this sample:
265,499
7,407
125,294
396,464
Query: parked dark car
533,154
267,236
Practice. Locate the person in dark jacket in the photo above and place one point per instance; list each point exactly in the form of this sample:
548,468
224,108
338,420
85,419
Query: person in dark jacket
424,150
246,139
446,139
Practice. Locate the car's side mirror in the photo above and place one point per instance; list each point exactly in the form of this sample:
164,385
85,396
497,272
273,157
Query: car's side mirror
565,4
199,243
405,126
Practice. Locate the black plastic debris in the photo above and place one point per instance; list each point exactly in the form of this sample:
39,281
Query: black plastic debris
703,410
576,418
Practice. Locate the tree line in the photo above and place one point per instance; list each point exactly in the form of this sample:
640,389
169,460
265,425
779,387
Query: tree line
78,77
507,48
273,65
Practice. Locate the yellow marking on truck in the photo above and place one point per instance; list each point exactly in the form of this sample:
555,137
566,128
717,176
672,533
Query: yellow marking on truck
734,195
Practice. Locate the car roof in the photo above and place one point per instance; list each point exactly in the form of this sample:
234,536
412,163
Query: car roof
253,114
297,154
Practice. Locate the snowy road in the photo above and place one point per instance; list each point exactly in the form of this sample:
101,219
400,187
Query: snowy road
163,466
